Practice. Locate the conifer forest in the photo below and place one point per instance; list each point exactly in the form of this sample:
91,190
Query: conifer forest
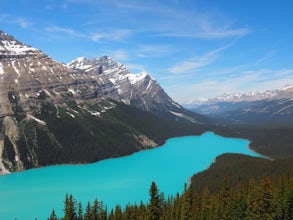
265,199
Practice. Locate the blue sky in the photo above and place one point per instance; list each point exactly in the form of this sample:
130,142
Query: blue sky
194,48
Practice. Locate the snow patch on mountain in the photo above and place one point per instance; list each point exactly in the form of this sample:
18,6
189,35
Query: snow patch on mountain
36,119
3,170
1,69
14,48
135,78
284,92
177,114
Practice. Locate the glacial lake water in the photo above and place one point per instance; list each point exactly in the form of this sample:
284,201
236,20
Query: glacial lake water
34,193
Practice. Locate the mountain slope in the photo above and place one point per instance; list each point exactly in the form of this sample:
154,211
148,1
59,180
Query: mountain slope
86,111
73,134
139,90
271,106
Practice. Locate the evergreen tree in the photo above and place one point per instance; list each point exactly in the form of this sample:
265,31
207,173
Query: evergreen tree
224,200
238,202
263,200
155,205
95,210
69,208
186,203
118,213
111,215
53,216
88,210
204,205
79,212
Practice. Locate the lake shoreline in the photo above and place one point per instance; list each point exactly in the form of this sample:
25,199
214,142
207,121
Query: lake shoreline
80,164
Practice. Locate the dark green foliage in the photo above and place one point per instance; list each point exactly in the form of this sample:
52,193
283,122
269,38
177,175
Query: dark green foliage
86,138
53,215
272,140
74,211
69,208
157,128
8,149
264,199
71,134
14,101
155,206
239,168
43,95
49,149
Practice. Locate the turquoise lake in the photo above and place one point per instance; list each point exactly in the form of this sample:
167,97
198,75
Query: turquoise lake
34,193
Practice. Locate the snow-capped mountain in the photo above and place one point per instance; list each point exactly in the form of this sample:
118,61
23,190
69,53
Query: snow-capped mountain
270,106
84,111
116,82
139,90
26,74
24,71
280,93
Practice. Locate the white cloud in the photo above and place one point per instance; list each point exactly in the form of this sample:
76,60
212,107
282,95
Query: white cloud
193,64
112,35
68,31
212,33
22,22
155,50
170,19
211,27
120,55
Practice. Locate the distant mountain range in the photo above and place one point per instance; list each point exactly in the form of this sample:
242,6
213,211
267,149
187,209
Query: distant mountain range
84,111
270,106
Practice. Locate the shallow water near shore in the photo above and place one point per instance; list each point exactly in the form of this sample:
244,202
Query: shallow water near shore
34,193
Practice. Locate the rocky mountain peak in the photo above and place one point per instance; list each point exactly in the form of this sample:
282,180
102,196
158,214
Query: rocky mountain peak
11,48
2,33
38,94
27,74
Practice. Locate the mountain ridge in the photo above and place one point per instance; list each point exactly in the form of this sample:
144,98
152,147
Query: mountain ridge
266,107
52,113
278,93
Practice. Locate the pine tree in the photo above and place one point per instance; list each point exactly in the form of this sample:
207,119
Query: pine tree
267,207
118,213
186,203
95,210
224,200
69,208
53,215
154,206
204,206
88,210
79,212
238,202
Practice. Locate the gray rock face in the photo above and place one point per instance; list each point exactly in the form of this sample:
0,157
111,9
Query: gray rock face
28,75
117,83
37,92
25,72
